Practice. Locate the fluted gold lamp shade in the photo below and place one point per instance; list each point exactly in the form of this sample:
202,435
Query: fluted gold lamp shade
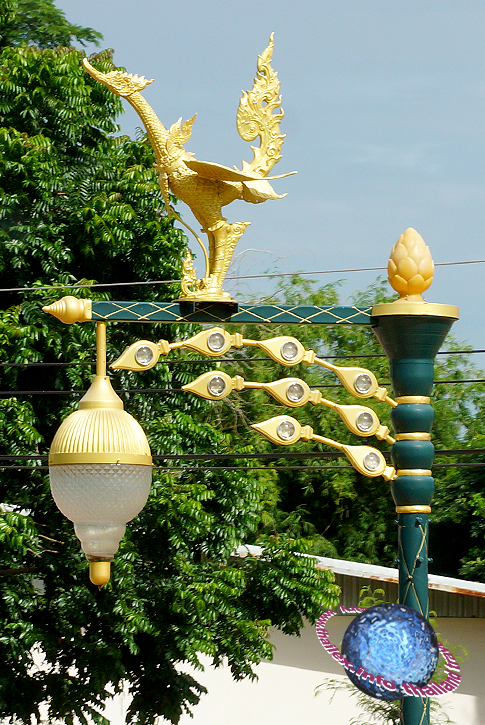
100,469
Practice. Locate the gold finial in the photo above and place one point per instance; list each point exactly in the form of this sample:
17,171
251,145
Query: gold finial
70,309
207,187
99,572
410,267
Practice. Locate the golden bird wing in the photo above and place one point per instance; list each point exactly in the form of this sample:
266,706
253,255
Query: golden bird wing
255,188
259,191
218,172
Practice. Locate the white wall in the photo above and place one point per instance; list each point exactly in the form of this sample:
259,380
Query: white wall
284,694
285,691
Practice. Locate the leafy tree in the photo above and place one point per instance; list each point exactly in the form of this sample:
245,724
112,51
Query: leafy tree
458,514
80,205
40,23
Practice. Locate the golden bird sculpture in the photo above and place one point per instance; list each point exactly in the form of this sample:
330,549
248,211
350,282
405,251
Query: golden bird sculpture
204,186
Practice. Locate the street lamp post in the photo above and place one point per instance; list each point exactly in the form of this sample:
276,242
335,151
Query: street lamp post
411,332
100,462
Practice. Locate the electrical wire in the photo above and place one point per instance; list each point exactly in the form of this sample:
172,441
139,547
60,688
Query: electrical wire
228,279
255,456
148,391
221,359
186,469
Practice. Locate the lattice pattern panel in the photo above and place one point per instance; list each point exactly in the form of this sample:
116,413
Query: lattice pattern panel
217,313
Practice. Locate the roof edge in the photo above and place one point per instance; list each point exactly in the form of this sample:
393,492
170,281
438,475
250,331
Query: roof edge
379,573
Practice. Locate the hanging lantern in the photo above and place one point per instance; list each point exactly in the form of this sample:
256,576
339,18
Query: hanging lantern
100,469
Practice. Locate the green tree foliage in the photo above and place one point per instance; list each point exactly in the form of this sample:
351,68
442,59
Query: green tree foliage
40,23
458,512
80,205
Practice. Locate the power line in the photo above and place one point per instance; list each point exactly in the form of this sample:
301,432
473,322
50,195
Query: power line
148,391
277,455
76,286
315,455
45,364
186,469
221,359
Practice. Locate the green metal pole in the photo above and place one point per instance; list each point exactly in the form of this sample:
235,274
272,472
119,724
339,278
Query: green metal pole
411,342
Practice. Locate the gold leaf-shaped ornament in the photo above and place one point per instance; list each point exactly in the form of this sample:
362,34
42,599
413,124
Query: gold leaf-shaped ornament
292,392
181,134
282,430
214,385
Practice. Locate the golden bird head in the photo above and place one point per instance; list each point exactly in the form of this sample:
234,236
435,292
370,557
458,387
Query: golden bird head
119,82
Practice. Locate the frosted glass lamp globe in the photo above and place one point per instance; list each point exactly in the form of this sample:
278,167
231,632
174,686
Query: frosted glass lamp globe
100,498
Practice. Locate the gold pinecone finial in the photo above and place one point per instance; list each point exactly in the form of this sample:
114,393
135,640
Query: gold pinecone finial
411,267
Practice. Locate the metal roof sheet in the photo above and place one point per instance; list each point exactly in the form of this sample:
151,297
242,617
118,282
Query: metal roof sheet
381,573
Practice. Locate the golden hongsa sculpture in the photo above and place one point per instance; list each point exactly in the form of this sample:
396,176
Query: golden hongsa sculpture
204,186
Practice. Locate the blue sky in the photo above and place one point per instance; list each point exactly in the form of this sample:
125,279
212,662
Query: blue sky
385,121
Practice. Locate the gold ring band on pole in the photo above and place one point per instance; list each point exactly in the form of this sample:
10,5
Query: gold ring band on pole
413,509
413,472
422,308
409,399
413,436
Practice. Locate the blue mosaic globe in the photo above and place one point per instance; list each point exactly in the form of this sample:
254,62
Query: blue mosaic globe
392,641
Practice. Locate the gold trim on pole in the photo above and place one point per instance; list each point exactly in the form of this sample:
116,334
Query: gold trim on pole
415,308
413,509
413,436
413,399
413,472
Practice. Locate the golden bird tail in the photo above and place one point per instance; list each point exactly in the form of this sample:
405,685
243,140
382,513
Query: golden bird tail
256,117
